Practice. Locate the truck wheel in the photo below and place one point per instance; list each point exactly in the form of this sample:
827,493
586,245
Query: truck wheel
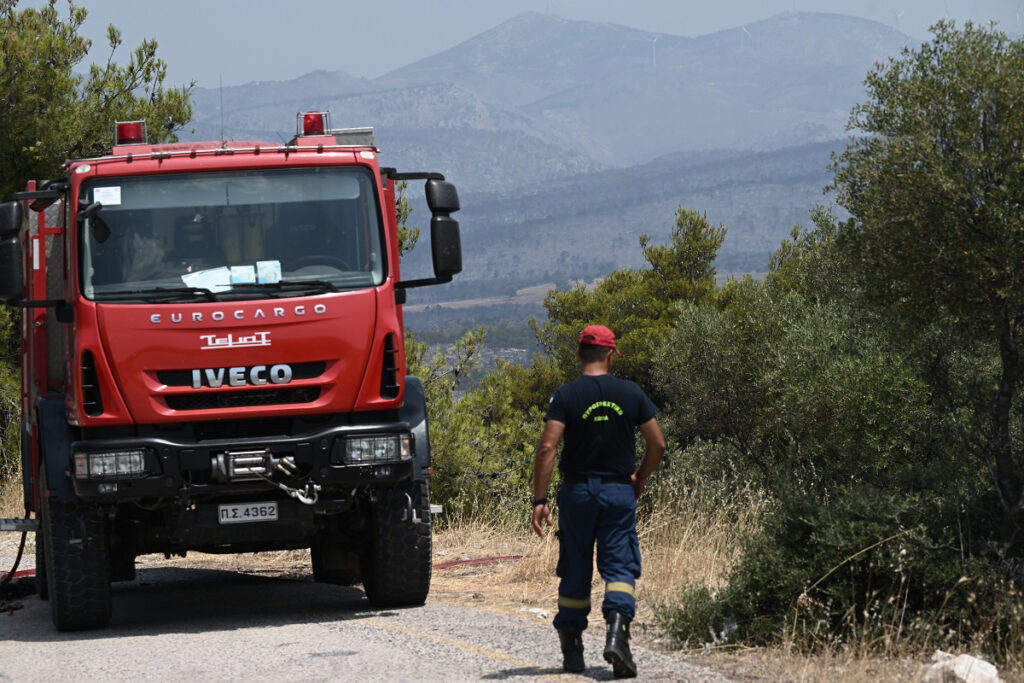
334,561
41,587
77,564
396,566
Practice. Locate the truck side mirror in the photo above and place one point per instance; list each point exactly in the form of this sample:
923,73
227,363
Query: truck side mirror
11,287
445,241
442,197
445,246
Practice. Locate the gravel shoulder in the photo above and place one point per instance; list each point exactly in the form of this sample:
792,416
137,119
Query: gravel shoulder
261,618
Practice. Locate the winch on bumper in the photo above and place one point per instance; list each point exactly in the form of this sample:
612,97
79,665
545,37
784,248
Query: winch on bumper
306,468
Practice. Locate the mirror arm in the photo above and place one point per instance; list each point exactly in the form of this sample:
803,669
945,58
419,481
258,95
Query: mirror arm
63,309
36,194
419,175
425,282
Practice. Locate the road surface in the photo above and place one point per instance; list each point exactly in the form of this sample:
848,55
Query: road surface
198,624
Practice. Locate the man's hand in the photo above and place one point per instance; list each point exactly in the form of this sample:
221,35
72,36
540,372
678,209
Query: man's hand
655,449
541,512
543,464
638,485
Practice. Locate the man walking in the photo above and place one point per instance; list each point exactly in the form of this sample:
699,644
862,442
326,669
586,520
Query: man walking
598,414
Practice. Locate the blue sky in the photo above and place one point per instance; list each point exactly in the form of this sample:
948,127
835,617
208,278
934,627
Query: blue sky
261,40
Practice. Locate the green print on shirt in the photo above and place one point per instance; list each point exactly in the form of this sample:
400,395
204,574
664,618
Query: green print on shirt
602,404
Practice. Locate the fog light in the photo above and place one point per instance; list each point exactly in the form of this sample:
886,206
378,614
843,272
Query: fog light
110,464
370,449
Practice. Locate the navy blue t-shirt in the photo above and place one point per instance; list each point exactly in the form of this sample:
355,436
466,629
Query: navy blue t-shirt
601,414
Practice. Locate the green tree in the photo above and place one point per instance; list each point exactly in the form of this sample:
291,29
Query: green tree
640,306
51,113
407,236
935,242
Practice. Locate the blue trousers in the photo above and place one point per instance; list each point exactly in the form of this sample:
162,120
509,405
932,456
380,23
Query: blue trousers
605,513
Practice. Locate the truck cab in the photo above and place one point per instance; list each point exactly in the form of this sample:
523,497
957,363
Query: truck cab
213,360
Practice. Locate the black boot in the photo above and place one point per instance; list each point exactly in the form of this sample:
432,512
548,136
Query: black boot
616,647
572,650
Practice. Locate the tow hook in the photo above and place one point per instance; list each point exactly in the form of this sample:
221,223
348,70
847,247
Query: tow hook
409,514
308,494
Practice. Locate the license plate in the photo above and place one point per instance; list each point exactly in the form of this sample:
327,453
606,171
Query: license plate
247,512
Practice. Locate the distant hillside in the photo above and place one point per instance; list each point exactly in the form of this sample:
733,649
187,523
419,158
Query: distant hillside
622,96
569,139
539,96
584,226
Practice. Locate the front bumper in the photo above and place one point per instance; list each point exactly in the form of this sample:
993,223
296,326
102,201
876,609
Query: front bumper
196,471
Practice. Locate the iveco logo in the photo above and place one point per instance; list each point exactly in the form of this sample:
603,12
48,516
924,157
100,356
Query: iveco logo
240,377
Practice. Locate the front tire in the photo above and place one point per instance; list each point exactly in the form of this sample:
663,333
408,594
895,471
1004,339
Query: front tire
397,563
77,563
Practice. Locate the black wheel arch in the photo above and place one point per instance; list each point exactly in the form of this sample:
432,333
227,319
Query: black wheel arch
414,413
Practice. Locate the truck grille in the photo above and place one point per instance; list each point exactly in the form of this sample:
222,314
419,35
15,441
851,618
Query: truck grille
183,378
209,400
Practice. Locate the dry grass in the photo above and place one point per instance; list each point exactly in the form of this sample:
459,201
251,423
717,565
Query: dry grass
689,537
697,546
12,503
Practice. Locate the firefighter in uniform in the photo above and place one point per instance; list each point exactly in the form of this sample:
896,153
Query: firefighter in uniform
598,415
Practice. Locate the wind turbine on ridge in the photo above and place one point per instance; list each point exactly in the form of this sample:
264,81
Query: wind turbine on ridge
654,51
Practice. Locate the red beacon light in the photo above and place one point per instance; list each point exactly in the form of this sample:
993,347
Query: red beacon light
313,123
130,133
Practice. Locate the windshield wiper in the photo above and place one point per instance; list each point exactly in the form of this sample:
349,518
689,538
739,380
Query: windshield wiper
286,286
157,294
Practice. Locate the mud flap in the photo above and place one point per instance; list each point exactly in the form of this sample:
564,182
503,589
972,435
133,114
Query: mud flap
414,413
55,448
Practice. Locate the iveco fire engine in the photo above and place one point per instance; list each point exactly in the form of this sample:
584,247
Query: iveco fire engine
213,360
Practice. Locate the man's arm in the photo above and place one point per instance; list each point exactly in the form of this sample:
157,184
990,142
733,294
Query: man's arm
543,465
655,449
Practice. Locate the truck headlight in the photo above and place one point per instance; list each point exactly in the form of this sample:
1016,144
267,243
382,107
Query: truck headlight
370,449
121,464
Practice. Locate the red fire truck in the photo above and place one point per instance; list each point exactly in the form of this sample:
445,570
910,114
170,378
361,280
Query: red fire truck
213,360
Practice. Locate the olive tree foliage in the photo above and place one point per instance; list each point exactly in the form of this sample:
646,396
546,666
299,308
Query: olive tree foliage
870,384
933,183
772,389
51,113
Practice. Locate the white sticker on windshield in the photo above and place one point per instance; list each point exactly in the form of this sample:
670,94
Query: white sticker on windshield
214,279
107,196
243,275
268,272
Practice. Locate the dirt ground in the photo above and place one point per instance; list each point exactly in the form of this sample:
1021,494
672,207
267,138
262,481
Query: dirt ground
515,576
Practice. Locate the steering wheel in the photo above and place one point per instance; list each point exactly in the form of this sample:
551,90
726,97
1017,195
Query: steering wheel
319,259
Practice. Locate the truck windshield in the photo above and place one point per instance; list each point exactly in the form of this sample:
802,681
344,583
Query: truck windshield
239,234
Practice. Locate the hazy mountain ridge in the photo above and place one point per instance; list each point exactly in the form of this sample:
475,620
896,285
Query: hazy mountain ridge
586,225
616,95
569,139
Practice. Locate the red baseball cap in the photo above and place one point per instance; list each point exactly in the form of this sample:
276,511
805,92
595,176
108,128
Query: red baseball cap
598,335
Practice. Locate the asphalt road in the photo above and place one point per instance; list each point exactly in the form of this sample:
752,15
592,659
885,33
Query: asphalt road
185,624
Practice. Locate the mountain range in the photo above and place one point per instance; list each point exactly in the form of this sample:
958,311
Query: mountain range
568,139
